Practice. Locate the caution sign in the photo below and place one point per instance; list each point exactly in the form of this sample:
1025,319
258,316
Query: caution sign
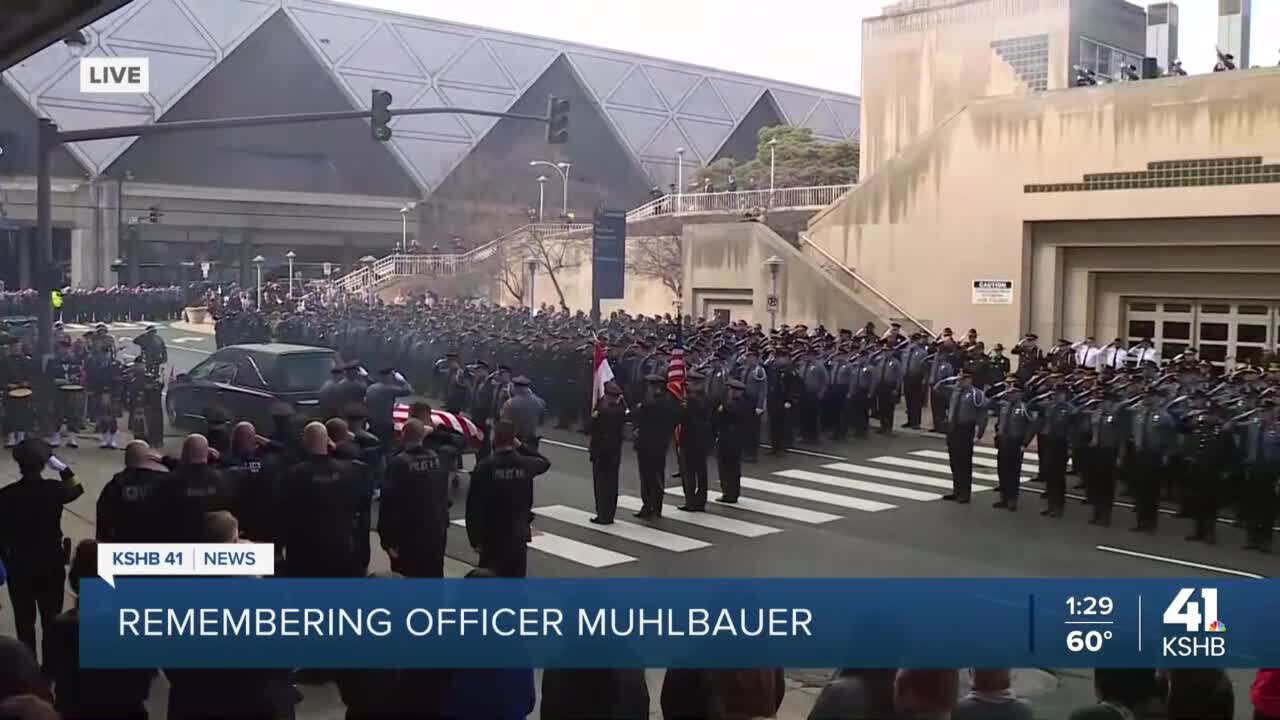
992,292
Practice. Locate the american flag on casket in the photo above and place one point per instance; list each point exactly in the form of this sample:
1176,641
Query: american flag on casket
469,430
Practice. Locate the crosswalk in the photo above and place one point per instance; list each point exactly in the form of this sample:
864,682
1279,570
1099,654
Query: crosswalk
809,496
111,327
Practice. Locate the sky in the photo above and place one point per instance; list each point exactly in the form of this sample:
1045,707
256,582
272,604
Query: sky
810,42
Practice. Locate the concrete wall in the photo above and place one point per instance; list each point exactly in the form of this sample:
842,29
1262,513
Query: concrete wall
920,66
953,208
644,295
725,269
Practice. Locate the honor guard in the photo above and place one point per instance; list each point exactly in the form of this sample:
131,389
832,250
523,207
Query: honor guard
414,519
966,421
1104,419
733,417
695,443
1153,436
19,400
1015,429
66,376
500,503
608,427
1054,420
655,419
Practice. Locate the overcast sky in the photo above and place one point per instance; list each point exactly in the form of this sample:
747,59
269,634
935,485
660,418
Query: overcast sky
810,42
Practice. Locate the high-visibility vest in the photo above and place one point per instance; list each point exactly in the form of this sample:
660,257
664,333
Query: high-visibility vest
55,298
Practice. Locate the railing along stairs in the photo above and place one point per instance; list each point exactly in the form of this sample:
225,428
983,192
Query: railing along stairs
795,198
398,265
833,265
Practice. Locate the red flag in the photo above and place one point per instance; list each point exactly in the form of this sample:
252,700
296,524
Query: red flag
601,373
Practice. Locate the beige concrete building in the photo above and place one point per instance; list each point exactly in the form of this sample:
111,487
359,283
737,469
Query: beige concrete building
1131,210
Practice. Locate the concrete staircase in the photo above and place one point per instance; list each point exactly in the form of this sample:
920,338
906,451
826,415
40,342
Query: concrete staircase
880,305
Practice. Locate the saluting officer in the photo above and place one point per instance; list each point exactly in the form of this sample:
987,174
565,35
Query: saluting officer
608,426
1260,450
1054,420
500,503
966,421
414,519
1152,437
734,416
1015,430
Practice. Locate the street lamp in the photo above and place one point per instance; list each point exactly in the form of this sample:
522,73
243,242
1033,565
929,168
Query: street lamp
290,256
773,145
532,265
563,169
405,213
542,194
257,263
679,175
773,265
368,261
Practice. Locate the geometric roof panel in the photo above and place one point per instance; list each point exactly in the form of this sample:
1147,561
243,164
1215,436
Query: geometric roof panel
637,128
383,53
669,139
161,21
476,66
848,114
795,106
636,91
738,97
446,125
432,159
823,123
433,48
602,74
175,72
403,91
673,84
523,62
229,21
706,137
98,153
704,102
31,74
335,35
478,100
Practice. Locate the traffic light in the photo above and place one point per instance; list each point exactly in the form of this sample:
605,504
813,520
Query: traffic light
381,115
154,214
558,125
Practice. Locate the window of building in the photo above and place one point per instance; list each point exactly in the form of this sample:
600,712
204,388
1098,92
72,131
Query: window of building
1105,60
1228,334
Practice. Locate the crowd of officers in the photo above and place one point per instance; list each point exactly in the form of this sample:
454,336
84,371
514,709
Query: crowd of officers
1118,417
114,304
85,379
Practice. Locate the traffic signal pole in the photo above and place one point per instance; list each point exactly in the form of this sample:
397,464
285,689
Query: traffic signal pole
49,138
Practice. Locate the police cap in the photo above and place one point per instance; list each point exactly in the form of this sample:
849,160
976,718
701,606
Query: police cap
522,381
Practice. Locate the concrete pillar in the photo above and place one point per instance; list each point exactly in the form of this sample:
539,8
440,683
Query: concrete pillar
349,256
26,241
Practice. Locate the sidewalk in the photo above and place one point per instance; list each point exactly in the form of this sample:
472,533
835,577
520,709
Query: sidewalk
198,328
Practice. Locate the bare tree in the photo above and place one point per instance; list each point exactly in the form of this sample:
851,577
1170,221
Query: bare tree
556,251
513,279
658,258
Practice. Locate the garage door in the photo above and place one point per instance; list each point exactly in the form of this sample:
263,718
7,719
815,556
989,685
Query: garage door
1226,332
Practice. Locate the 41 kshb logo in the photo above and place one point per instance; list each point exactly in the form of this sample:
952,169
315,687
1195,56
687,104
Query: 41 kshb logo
1203,636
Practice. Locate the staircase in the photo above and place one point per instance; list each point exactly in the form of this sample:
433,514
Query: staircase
396,267
867,294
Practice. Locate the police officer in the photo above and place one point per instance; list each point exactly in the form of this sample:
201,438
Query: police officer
500,503
755,383
785,391
324,497
254,463
887,385
64,370
1015,430
1260,451
31,540
655,419
153,350
1152,436
194,488
608,427
1104,419
380,398
525,410
127,511
414,518
1208,451
915,370
966,421
695,443
733,417
1054,419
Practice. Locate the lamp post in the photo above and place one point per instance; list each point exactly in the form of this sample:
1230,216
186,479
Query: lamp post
368,261
257,264
404,226
773,265
532,265
542,194
679,176
562,168
290,256
773,146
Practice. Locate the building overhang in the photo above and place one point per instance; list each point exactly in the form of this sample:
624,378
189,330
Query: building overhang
29,26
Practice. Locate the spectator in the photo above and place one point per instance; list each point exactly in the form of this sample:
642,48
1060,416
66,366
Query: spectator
1124,694
991,698
84,693
865,694
484,694
1200,694
19,673
621,694
27,707
1265,694
722,694
926,694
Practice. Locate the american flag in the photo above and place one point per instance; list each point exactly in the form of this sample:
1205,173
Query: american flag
458,423
676,377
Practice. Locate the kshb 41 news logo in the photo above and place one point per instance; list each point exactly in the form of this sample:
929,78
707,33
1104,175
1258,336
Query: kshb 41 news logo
1204,630
115,75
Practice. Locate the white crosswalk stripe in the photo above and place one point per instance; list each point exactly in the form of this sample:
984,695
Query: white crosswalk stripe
984,450
926,480
572,550
934,467
978,461
778,510
861,485
81,327
819,496
703,519
625,530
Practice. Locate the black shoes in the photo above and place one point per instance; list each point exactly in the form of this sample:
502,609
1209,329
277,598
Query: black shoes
950,497
692,508
726,500
1001,504
600,521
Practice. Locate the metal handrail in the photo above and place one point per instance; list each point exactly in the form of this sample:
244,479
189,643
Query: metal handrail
403,264
902,312
791,198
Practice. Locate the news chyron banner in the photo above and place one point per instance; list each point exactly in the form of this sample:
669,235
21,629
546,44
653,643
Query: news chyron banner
637,622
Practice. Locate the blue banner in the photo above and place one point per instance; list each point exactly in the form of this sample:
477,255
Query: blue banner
609,249
637,622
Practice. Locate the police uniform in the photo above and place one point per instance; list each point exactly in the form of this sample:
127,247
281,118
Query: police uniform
1015,429
499,507
413,520
655,419
608,427
695,444
733,417
966,421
